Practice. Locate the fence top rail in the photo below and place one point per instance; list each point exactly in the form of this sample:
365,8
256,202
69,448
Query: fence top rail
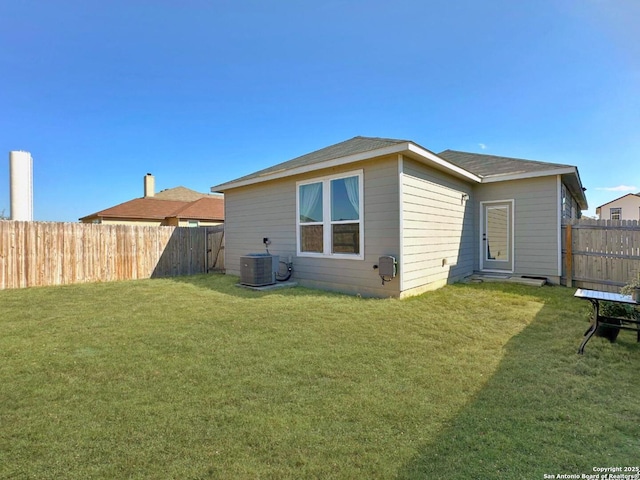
600,227
603,224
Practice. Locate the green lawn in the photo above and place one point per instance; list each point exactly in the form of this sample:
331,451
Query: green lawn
194,378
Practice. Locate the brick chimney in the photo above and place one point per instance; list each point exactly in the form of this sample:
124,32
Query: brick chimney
149,185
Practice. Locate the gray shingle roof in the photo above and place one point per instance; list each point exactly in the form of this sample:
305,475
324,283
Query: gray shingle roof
493,166
343,149
467,165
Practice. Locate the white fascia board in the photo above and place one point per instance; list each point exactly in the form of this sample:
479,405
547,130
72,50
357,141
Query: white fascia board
525,175
434,159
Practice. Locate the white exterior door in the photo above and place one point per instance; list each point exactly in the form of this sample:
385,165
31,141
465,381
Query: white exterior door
496,236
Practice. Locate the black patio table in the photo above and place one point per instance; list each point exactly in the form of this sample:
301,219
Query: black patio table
595,297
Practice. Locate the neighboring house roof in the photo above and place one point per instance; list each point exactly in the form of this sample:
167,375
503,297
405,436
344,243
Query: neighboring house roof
182,194
207,207
472,167
615,200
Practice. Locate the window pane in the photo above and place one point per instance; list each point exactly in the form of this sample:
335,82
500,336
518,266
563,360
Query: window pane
311,203
497,233
311,238
346,238
345,199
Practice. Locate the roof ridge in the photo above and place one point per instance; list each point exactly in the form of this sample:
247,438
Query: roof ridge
161,199
385,139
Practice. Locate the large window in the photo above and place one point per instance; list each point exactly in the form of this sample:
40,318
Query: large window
330,216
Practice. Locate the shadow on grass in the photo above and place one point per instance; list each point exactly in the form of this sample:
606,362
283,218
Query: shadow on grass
229,285
546,409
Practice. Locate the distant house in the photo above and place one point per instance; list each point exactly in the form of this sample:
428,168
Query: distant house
340,212
626,207
178,206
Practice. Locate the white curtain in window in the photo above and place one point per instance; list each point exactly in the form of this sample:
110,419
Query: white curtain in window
309,195
353,190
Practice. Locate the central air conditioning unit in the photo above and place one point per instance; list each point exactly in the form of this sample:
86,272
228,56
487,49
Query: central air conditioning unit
258,269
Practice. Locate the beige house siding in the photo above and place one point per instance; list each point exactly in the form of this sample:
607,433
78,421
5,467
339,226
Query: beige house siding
201,223
171,222
536,223
253,213
269,210
128,221
427,219
629,206
438,228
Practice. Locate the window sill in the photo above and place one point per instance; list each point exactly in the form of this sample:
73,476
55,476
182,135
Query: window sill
336,256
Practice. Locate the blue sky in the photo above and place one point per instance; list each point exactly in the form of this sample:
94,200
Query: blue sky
201,92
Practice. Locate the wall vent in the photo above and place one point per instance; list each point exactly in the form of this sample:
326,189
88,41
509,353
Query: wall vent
258,269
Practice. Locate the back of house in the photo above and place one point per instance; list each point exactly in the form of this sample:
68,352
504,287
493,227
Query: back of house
343,214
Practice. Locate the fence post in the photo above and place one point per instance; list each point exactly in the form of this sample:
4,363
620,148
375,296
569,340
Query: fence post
569,259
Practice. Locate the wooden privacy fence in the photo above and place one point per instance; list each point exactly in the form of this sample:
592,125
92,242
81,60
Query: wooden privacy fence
600,254
215,248
43,253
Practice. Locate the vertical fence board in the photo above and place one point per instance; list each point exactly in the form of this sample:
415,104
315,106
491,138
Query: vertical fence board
4,254
215,248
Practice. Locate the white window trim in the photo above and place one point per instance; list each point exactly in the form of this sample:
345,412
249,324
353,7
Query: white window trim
326,212
513,236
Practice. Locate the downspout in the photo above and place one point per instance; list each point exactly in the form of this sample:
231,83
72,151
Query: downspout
559,224
400,221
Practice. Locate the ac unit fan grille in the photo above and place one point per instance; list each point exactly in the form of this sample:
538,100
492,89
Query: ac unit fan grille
258,269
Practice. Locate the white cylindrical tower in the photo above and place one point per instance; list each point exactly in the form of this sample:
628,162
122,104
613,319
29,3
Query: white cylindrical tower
21,178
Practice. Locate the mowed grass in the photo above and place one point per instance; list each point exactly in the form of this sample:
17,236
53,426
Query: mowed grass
195,378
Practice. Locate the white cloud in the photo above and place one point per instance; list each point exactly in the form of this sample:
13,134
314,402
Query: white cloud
482,146
619,188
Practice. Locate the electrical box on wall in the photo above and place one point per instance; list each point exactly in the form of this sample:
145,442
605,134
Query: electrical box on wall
387,268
